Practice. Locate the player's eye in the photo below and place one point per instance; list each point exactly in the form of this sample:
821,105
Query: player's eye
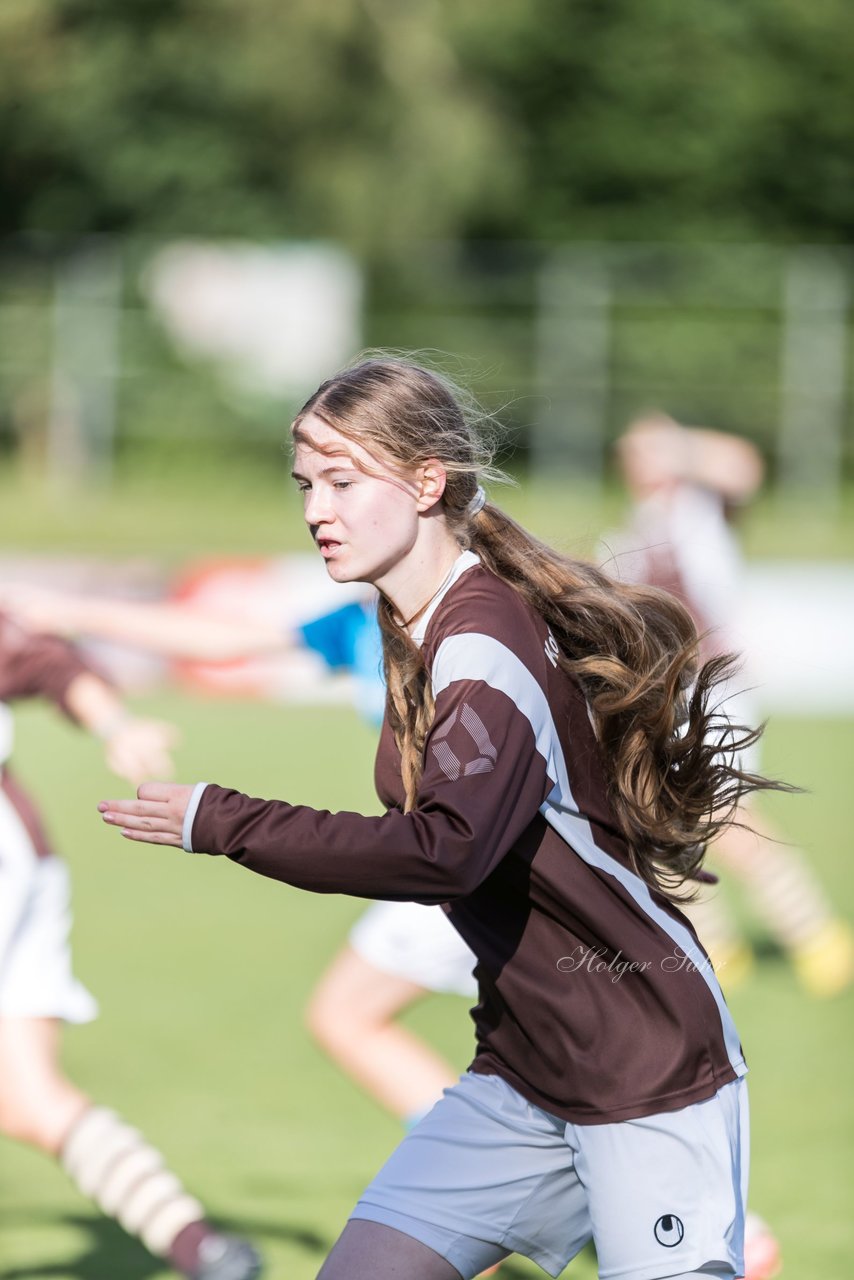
343,484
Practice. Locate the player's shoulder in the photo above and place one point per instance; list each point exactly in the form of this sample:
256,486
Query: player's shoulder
484,605
479,600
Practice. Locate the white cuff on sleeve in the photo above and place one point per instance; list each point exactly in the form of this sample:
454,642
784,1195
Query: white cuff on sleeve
190,815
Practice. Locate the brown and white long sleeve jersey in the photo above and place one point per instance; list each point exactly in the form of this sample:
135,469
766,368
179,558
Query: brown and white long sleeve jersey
596,1001
31,665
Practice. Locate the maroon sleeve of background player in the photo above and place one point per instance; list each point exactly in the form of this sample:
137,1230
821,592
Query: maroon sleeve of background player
36,665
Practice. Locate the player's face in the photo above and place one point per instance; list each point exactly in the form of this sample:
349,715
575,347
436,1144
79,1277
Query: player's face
364,521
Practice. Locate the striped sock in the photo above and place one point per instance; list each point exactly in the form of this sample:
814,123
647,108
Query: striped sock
786,893
114,1166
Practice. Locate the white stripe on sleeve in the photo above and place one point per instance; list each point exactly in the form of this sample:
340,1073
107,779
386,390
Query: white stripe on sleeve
476,657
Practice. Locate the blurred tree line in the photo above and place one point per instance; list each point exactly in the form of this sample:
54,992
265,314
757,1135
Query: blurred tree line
380,122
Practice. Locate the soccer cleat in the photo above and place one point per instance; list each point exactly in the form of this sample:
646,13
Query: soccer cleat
825,964
761,1251
227,1258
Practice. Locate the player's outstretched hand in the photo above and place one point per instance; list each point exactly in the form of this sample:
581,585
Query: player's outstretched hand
156,816
138,748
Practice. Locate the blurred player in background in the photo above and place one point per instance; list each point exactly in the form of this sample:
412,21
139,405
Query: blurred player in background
686,483
109,1162
397,952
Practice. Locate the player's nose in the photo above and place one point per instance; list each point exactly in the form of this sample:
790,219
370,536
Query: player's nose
317,507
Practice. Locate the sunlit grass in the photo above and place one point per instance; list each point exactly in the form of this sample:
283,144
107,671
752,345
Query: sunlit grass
242,509
203,970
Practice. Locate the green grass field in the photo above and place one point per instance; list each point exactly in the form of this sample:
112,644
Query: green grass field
202,971
176,513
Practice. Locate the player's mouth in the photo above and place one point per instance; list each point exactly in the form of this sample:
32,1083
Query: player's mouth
327,547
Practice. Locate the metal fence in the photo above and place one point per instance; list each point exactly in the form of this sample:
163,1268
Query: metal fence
568,342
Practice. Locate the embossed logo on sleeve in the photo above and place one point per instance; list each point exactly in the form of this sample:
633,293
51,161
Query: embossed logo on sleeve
462,746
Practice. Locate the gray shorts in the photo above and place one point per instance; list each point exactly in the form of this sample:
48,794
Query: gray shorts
486,1173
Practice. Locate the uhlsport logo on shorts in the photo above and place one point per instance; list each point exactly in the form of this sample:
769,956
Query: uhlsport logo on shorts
669,1230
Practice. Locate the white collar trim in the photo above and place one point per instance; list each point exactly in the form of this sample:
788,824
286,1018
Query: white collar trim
466,560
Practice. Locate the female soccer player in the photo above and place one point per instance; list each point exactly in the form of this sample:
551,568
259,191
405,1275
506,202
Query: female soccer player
684,482
397,952
552,772
109,1161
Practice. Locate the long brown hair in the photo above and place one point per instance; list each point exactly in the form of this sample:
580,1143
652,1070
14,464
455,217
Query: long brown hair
671,757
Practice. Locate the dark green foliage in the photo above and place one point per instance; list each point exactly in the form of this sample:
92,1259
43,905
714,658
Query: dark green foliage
376,123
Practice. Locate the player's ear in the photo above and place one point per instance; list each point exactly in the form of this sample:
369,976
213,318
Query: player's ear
432,478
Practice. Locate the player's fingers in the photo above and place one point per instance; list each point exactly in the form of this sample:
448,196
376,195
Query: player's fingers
152,837
119,806
140,823
144,803
156,791
118,813
138,808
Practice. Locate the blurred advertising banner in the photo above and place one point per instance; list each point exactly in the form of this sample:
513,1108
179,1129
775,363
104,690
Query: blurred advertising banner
279,593
796,621
791,624
273,319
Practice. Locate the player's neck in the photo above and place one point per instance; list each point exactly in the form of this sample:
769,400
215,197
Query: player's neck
415,582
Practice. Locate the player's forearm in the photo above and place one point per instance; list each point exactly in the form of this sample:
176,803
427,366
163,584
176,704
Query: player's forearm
727,465
94,705
408,857
443,849
173,631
